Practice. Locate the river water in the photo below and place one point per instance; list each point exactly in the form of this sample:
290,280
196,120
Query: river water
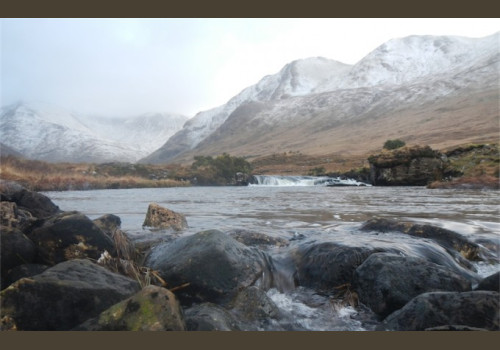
324,213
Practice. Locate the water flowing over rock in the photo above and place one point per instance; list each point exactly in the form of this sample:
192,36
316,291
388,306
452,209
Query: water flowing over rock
210,317
478,309
162,218
215,265
452,241
70,235
152,309
409,166
386,282
64,296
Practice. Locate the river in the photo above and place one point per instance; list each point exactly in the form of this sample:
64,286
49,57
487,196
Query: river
322,212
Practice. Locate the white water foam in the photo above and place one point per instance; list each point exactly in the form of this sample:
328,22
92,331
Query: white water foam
279,180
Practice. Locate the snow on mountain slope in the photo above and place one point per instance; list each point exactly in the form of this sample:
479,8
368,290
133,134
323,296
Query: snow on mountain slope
44,132
297,78
422,68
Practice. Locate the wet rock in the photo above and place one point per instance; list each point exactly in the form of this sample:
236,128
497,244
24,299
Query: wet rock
253,304
152,309
492,282
215,265
13,217
251,238
386,282
324,266
210,317
64,296
450,240
16,248
162,218
478,309
21,271
69,235
408,166
459,328
39,205
108,223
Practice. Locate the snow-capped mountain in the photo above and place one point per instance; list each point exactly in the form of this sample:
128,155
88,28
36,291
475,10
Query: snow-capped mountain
297,78
313,97
45,132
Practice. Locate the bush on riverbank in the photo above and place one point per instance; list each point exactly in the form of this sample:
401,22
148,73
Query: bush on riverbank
220,170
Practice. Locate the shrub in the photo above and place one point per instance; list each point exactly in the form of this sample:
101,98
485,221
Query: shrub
220,170
393,144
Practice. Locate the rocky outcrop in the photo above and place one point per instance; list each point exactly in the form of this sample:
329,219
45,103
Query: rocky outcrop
215,265
69,235
152,309
162,218
478,309
64,296
408,166
386,282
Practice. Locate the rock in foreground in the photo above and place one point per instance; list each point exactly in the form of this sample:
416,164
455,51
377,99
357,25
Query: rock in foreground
478,309
215,265
64,296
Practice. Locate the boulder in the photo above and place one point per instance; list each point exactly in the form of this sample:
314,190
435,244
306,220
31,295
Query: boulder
39,205
407,166
477,309
152,309
21,271
386,282
324,266
64,296
16,248
253,304
210,317
163,218
69,235
13,217
215,265
492,282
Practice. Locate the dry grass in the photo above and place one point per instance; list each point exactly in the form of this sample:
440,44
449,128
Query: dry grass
42,176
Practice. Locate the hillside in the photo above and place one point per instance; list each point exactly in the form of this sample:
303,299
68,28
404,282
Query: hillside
440,91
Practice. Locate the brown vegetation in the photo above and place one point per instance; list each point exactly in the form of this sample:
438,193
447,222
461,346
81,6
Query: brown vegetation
42,176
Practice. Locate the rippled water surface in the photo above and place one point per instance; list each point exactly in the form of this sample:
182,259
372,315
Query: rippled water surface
314,212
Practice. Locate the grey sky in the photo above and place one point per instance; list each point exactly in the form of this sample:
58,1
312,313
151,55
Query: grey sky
124,67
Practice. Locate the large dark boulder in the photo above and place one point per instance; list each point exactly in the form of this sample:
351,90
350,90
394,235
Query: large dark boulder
16,248
492,282
152,309
210,317
324,266
408,166
386,282
215,265
477,309
21,271
39,205
69,235
64,296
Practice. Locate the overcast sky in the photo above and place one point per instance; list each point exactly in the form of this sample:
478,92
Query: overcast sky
125,67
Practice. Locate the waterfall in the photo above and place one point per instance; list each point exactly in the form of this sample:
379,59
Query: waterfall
279,180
